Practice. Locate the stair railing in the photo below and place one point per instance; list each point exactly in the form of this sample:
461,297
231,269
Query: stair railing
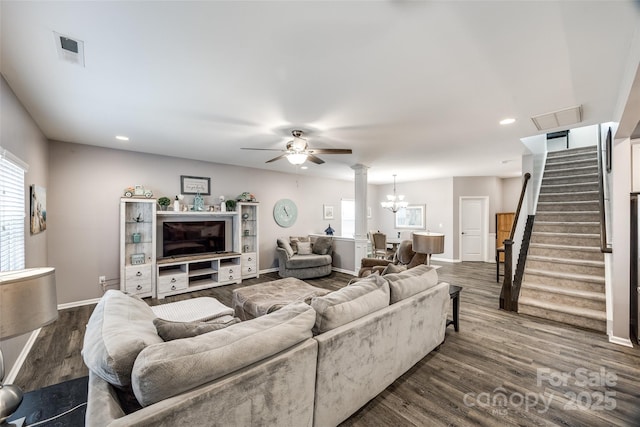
604,248
507,284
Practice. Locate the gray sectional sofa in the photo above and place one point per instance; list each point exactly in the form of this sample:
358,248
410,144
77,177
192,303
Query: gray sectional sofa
303,365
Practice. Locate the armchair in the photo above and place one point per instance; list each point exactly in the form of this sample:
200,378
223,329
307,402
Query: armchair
403,259
312,261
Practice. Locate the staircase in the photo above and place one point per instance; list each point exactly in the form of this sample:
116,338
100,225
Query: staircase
564,273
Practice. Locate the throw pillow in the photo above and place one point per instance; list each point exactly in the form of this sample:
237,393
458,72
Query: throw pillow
169,330
304,248
284,244
294,241
323,245
393,268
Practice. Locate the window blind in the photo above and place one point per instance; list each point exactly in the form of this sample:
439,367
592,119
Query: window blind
12,211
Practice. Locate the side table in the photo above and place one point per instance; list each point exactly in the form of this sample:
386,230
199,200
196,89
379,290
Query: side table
454,294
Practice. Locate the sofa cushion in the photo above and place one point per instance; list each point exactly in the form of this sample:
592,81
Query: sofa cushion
323,245
350,303
307,261
170,368
169,330
119,328
284,244
410,282
304,248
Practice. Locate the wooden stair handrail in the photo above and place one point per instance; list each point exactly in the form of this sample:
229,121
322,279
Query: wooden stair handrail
603,217
527,176
507,283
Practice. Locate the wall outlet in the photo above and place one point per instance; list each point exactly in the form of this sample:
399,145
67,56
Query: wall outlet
102,280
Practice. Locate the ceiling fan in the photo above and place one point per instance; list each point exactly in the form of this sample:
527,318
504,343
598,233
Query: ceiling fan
298,150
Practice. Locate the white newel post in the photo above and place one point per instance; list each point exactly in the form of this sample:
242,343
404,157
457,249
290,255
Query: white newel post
360,237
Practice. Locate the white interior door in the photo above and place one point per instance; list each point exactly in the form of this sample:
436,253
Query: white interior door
472,229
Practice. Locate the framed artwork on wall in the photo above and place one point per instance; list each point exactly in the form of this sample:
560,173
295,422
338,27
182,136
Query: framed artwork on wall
195,185
38,220
411,217
327,212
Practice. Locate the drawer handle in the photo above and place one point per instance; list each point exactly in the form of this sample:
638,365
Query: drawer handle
250,259
173,288
230,271
139,273
173,280
249,269
230,277
139,287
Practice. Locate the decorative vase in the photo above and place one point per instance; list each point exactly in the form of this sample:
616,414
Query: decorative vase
176,205
198,203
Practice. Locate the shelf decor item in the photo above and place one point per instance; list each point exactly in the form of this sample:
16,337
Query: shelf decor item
195,185
136,237
198,203
230,205
137,259
329,231
164,202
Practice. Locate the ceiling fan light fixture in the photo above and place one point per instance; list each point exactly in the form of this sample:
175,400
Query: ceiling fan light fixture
296,158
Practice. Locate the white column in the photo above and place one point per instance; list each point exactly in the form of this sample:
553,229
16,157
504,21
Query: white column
360,236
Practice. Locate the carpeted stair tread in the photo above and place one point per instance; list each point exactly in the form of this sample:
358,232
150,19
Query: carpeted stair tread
567,247
562,275
567,261
596,296
568,188
571,163
572,310
554,234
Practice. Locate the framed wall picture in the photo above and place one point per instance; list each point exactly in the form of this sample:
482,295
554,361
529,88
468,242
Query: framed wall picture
327,212
411,217
195,185
38,219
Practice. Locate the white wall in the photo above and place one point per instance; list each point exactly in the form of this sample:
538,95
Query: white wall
20,135
86,184
511,188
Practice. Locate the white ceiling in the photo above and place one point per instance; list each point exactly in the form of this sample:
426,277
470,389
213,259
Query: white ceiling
414,88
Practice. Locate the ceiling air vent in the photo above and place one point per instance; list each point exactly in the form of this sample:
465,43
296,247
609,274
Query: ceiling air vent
561,118
69,49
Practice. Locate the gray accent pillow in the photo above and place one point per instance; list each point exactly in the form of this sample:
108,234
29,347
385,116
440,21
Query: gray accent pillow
170,331
284,244
410,282
350,303
119,328
293,240
304,248
323,245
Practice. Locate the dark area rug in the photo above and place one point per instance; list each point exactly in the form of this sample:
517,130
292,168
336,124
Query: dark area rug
51,401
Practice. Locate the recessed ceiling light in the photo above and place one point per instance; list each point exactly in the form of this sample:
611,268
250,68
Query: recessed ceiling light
507,121
122,138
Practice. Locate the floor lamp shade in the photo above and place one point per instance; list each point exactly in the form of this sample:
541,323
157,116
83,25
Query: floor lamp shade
27,302
428,243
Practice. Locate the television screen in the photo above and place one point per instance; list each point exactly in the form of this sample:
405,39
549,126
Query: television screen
192,237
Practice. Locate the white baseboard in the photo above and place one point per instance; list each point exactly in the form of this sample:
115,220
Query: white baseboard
342,270
269,270
620,341
13,373
78,303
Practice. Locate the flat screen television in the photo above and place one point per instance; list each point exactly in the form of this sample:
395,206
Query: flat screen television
181,238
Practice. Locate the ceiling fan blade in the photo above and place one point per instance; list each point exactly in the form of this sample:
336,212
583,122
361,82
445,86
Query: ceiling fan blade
261,149
314,159
277,158
330,151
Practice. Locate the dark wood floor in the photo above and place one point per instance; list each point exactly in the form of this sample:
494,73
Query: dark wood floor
485,375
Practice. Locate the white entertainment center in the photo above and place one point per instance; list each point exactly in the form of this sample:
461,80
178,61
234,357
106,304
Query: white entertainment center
211,248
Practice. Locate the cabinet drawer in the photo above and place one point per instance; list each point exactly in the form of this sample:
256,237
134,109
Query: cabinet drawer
229,273
172,282
248,270
138,273
249,259
137,287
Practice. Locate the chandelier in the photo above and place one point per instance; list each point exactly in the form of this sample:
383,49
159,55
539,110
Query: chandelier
394,202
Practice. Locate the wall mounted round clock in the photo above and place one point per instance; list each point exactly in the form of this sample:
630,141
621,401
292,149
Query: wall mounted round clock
285,212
